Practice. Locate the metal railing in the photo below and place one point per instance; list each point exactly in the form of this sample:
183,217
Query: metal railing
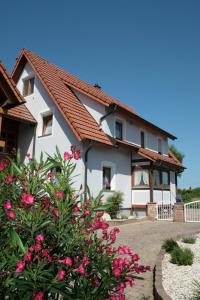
192,211
165,211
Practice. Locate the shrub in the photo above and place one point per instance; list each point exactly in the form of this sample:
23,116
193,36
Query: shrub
189,240
169,245
53,244
182,257
114,204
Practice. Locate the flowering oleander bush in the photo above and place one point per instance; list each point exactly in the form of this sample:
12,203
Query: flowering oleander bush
53,244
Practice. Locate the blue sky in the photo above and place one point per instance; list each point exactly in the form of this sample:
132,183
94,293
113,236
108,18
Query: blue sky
145,53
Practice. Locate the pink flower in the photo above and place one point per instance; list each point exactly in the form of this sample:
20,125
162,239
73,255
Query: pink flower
75,209
68,261
59,195
27,199
7,205
77,154
9,179
50,175
61,275
46,201
3,165
135,257
56,212
100,214
20,266
116,272
86,260
11,214
101,202
130,280
80,269
38,295
28,256
37,247
39,238
67,155
28,155
87,213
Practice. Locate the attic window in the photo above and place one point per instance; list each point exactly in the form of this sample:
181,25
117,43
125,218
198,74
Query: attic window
159,146
28,87
142,138
119,130
47,125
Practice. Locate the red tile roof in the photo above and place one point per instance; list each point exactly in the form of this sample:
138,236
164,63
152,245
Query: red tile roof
154,156
59,85
19,111
17,97
76,115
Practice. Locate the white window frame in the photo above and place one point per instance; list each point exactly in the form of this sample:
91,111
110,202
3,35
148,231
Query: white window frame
42,115
112,166
28,77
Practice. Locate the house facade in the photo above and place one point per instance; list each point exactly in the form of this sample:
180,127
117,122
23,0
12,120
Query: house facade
120,151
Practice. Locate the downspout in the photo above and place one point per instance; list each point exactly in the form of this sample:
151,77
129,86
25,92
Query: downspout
113,108
131,212
86,168
34,142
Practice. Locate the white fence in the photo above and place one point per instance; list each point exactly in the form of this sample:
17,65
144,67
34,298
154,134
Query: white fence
165,211
192,211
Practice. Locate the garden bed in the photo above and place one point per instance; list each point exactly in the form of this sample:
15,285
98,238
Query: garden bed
178,281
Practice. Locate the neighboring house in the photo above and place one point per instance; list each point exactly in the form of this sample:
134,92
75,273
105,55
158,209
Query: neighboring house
121,151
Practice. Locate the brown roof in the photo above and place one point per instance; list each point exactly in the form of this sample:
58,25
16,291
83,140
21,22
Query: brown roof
21,113
76,115
59,85
15,94
154,156
151,155
19,110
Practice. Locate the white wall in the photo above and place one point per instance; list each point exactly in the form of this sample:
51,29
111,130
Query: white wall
120,159
140,196
25,139
40,102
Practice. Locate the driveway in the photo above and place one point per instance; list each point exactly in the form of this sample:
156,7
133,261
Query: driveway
146,238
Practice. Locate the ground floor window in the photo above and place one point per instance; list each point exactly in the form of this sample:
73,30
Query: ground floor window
140,177
107,178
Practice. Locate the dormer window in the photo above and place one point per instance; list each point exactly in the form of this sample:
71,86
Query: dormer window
159,146
28,87
118,130
142,139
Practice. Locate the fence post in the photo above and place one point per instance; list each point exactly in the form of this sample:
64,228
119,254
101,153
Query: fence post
152,211
179,212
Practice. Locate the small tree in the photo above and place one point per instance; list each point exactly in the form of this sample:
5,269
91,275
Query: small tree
114,204
179,155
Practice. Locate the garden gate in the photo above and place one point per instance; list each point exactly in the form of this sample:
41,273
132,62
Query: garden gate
192,211
165,211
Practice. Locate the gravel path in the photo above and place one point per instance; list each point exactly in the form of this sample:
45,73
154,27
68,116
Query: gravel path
178,280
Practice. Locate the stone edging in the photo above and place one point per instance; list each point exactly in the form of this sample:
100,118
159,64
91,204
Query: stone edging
158,290
125,221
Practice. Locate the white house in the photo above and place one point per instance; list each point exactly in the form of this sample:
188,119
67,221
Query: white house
120,150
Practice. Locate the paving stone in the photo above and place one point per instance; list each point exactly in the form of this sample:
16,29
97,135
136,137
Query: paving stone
146,239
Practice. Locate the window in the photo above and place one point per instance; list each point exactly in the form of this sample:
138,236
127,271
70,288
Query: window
107,178
141,177
142,139
47,125
28,88
156,178
119,130
159,146
165,179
